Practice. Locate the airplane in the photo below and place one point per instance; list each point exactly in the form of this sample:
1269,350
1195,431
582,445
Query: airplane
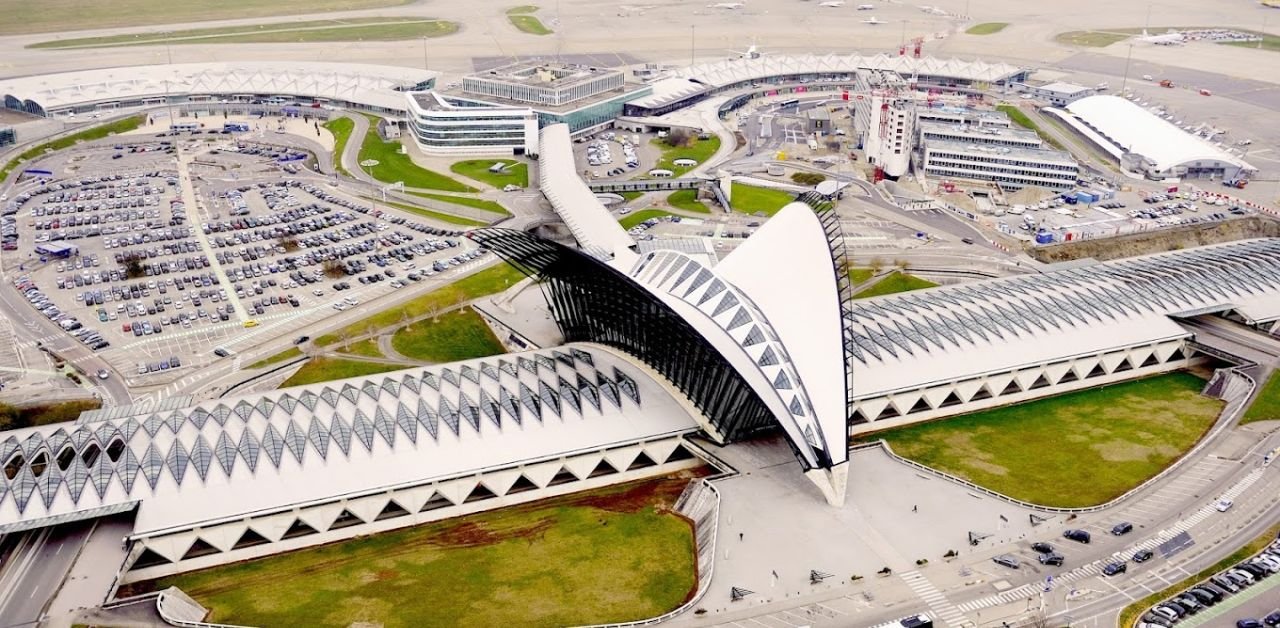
832,3
933,10
1171,38
873,20
866,7
752,52
732,6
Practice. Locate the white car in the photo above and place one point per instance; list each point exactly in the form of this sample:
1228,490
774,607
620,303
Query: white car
104,374
1224,505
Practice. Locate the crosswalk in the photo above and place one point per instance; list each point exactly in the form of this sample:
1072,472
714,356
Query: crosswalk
1095,568
938,603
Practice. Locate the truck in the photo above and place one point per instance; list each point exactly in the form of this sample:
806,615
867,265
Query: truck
1166,83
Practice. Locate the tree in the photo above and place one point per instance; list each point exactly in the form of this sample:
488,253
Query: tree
133,268
288,243
333,269
678,137
876,265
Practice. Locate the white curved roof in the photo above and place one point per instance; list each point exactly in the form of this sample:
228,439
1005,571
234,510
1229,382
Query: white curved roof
912,340
730,71
228,457
375,85
1137,130
596,230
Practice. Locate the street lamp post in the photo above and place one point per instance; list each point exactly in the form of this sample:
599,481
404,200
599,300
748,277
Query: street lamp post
368,165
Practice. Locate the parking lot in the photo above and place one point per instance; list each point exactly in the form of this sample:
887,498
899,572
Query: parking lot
157,251
615,155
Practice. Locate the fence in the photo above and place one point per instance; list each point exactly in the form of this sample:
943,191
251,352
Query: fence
700,502
1236,389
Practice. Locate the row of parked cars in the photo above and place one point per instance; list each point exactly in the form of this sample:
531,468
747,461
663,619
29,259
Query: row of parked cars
1217,588
41,302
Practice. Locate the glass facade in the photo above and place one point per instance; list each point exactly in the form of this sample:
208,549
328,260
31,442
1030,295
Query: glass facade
7,137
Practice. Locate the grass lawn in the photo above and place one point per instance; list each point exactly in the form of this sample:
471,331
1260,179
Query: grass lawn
528,24
13,417
1266,406
1078,449
688,201
859,275
485,282
892,284
1090,39
1021,119
750,199
478,203
287,354
697,150
609,555
395,166
123,125
434,215
327,369
71,15
367,348
517,172
341,129
1131,612
1269,42
351,29
987,28
635,218
457,335
630,196
524,8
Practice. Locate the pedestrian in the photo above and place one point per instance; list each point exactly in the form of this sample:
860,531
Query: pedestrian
741,536
915,508
775,573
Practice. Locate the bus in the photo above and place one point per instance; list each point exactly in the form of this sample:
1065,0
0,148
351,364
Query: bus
789,103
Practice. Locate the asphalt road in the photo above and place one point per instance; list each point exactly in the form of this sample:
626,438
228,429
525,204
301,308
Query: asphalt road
34,572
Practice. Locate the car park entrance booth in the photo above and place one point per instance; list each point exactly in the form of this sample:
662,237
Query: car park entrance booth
58,249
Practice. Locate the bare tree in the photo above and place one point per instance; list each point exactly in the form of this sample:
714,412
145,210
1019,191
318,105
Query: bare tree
876,265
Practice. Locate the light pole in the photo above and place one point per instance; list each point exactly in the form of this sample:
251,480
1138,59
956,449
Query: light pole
368,165
1125,81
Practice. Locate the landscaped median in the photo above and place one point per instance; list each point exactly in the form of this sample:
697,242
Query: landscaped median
1073,450
325,369
491,280
521,19
341,129
457,335
608,555
123,125
1266,405
893,283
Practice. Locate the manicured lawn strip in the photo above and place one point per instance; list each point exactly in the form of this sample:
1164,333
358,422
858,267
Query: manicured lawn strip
1129,615
357,29
535,565
529,24
324,369
1265,406
894,283
1021,119
1073,450
367,348
859,275
688,201
697,150
517,172
1090,39
987,28
394,166
123,125
630,196
287,354
485,282
13,417
457,335
341,129
56,16
434,215
750,199
478,203
635,218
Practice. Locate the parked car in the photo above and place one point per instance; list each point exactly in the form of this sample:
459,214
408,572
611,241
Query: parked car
1113,569
1142,556
1122,528
1052,558
1079,536
1042,547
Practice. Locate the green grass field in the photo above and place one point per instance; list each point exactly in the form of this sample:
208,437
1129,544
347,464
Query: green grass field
341,129
1269,42
55,16
697,150
350,29
1090,39
609,555
1130,613
517,172
287,354
1023,120
457,335
1073,450
630,196
477,203
749,199
123,125
434,215
635,218
892,284
529,24
688,201
395,166
485,282
14,417
859,275
324,369
986,28
367,348
524,8
1266,406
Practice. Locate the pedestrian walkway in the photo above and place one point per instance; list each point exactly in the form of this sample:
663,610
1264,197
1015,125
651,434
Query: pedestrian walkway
189,202
938,603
